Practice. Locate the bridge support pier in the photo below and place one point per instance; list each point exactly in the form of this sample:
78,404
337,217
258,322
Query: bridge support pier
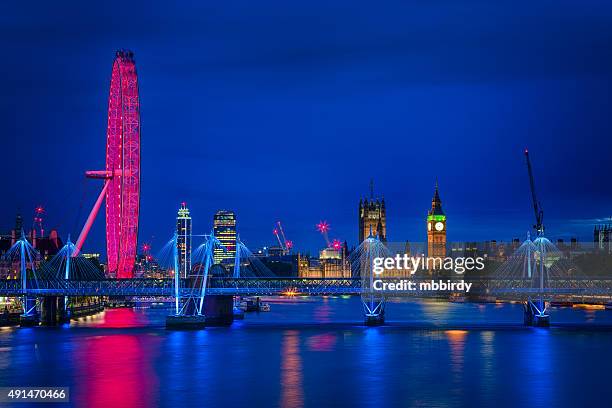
53,310
374,312
218,311
30,316
182,322
533,316
29,320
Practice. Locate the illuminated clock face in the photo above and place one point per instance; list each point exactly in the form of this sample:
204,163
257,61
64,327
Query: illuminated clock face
439,226
429,226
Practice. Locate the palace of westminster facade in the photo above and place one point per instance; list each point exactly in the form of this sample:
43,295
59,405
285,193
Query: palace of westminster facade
373,222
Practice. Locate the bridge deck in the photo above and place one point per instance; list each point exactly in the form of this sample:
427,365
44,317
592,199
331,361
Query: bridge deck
165,287
515,289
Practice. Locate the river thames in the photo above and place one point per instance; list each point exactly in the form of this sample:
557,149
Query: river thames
312,352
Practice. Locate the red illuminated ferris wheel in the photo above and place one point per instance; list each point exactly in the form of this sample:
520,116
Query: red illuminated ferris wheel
121,177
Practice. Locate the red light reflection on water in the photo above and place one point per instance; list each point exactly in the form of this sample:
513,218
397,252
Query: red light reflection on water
115,370
323,313
118,318
322,342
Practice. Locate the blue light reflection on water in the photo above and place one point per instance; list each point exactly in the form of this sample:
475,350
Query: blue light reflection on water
315,352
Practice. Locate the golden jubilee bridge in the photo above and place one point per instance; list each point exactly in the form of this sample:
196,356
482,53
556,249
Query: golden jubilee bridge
535,274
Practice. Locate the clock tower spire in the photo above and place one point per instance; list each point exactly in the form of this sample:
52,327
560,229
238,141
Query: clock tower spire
436,227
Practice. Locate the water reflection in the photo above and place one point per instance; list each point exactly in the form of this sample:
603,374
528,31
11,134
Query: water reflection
116,370
292,394
456,340
589,316
487,376
115,318
436,311
323,312
322,342
373,371
252,365
538,372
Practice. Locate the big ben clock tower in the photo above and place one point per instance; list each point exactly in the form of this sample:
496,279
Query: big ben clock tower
436,228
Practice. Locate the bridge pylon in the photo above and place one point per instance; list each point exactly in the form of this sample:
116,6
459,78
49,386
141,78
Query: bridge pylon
191,303
374,312
362,262
535,315
535,307
25,254
535,273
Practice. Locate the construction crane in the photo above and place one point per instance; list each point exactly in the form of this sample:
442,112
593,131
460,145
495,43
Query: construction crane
284,243
38,220
280,243
537,207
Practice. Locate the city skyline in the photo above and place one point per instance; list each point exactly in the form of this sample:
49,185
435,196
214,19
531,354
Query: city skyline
299,150
594,227
306,204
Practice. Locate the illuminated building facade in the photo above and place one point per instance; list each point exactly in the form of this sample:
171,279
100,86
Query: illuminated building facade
183,242
436,228
92,256
372,217
224,226
332,263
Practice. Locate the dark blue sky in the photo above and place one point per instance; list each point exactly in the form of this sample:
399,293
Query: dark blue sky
285,111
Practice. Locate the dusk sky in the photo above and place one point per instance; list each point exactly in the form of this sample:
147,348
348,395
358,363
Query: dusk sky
285,111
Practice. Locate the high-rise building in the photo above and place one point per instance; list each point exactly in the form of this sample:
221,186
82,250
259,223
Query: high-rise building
602,237
436,228
183,242
224,225
372,217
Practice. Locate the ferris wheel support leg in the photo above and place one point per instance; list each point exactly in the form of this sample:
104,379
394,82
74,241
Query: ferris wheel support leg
90,219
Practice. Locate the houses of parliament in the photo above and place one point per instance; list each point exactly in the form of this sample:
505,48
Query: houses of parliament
373,220
372,217
334,263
